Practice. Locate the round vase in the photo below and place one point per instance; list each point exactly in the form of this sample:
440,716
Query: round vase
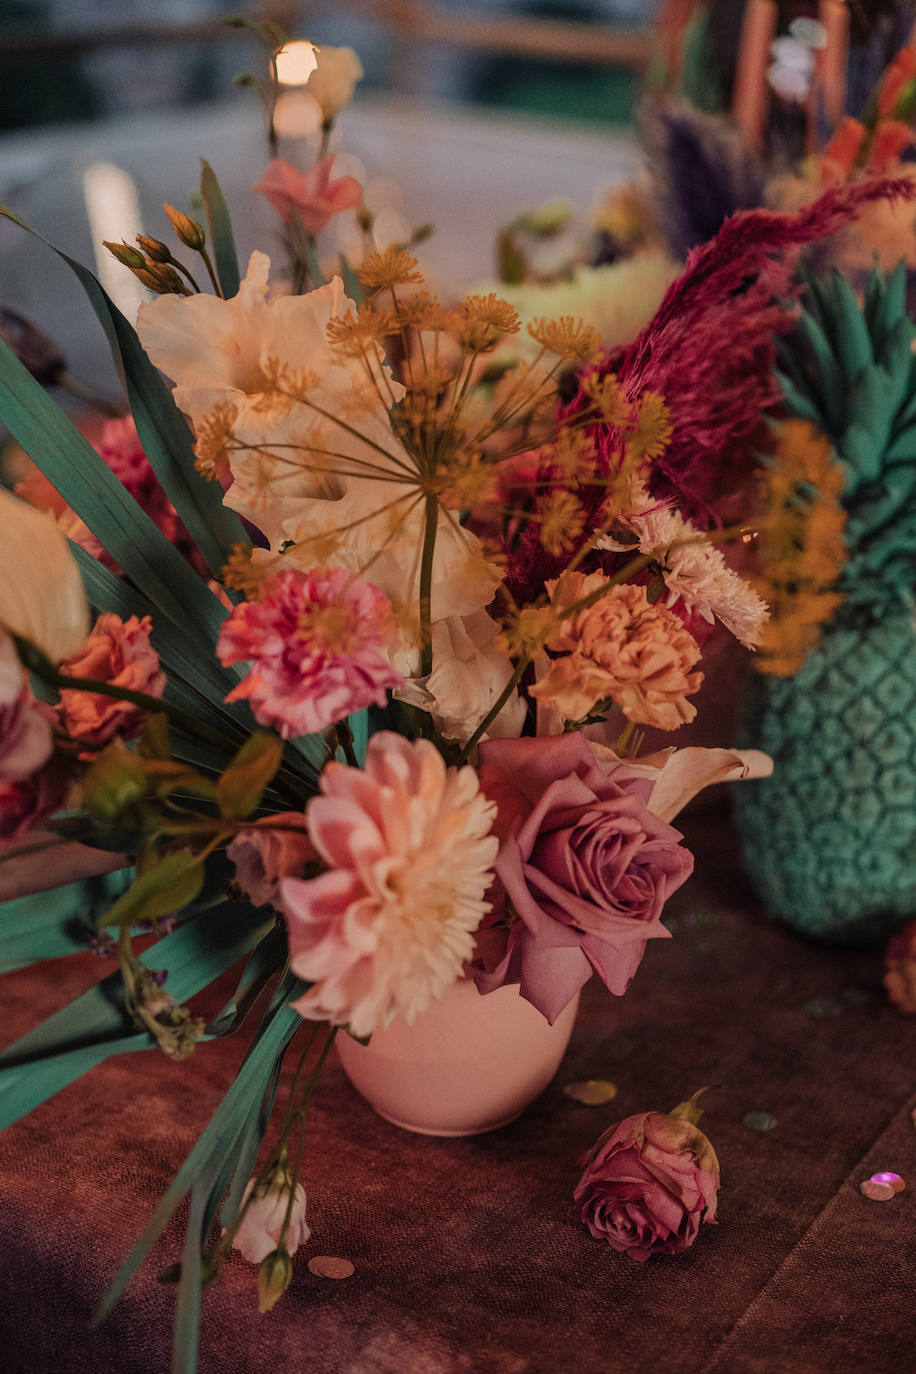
468,1064
830,839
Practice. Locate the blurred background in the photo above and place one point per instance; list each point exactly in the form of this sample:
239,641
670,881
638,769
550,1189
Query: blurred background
68,60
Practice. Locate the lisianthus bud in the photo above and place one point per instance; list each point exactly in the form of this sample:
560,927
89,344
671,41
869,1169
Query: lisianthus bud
113,783
154,248
42,598
164,278
188,230
334,79
130,257
274,1275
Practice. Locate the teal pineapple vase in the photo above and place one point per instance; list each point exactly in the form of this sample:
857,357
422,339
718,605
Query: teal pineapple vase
830,839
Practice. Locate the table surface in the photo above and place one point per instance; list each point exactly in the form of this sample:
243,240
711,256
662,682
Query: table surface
465,1256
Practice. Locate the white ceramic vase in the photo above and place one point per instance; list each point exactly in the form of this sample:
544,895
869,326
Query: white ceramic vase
469,1064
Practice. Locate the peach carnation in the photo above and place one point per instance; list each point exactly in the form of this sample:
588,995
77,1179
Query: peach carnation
316,645
118,652
620,648
410,855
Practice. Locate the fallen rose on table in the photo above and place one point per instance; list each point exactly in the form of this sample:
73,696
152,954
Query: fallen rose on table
650,1183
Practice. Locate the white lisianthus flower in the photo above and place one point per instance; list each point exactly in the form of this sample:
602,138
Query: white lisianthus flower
334,79
693,569
259,1234
42,598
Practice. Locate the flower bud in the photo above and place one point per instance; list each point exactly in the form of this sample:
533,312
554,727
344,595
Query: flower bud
188,230
160,277
154,248
125,254
333,81
113,783
274,1275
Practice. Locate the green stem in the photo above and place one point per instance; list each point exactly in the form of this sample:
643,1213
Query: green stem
210,272
155,705
426,583
345,740
497,706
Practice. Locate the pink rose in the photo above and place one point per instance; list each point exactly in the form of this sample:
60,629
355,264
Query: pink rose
25,730
312,195
275,847
900,968
118,652
27,802
649,1184
585,866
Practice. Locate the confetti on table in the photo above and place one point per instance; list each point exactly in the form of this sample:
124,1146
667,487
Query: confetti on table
889,1180
759,1121
823,1008
330,1267
878,1192
594,1092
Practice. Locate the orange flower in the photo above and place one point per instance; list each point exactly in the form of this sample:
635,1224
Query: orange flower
620,648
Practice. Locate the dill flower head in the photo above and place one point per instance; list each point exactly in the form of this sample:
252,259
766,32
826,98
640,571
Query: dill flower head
410,856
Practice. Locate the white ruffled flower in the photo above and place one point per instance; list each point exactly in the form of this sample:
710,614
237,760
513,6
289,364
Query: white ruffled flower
694,570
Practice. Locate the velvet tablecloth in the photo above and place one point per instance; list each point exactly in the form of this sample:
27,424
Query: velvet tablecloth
465,1257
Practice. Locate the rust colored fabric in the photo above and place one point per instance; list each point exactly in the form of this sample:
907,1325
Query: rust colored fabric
466,1259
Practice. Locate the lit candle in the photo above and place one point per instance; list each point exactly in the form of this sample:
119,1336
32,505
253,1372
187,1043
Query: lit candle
750,100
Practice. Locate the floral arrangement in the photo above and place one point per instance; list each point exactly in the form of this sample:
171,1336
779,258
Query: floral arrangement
377,634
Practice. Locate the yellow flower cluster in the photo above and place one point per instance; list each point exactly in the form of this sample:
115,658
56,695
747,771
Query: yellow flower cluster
802,547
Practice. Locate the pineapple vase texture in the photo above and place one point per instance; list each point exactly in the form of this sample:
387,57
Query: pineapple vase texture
830,839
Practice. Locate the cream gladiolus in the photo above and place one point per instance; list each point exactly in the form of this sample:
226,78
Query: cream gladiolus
333,81
42,598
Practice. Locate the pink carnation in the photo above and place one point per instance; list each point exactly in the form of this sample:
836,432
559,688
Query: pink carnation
118,652
312,196
585,865
275,847
316,642
25,730
119,445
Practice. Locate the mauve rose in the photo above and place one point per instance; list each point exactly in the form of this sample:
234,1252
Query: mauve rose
649,1184
275,847
25,730
118,652
585,866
